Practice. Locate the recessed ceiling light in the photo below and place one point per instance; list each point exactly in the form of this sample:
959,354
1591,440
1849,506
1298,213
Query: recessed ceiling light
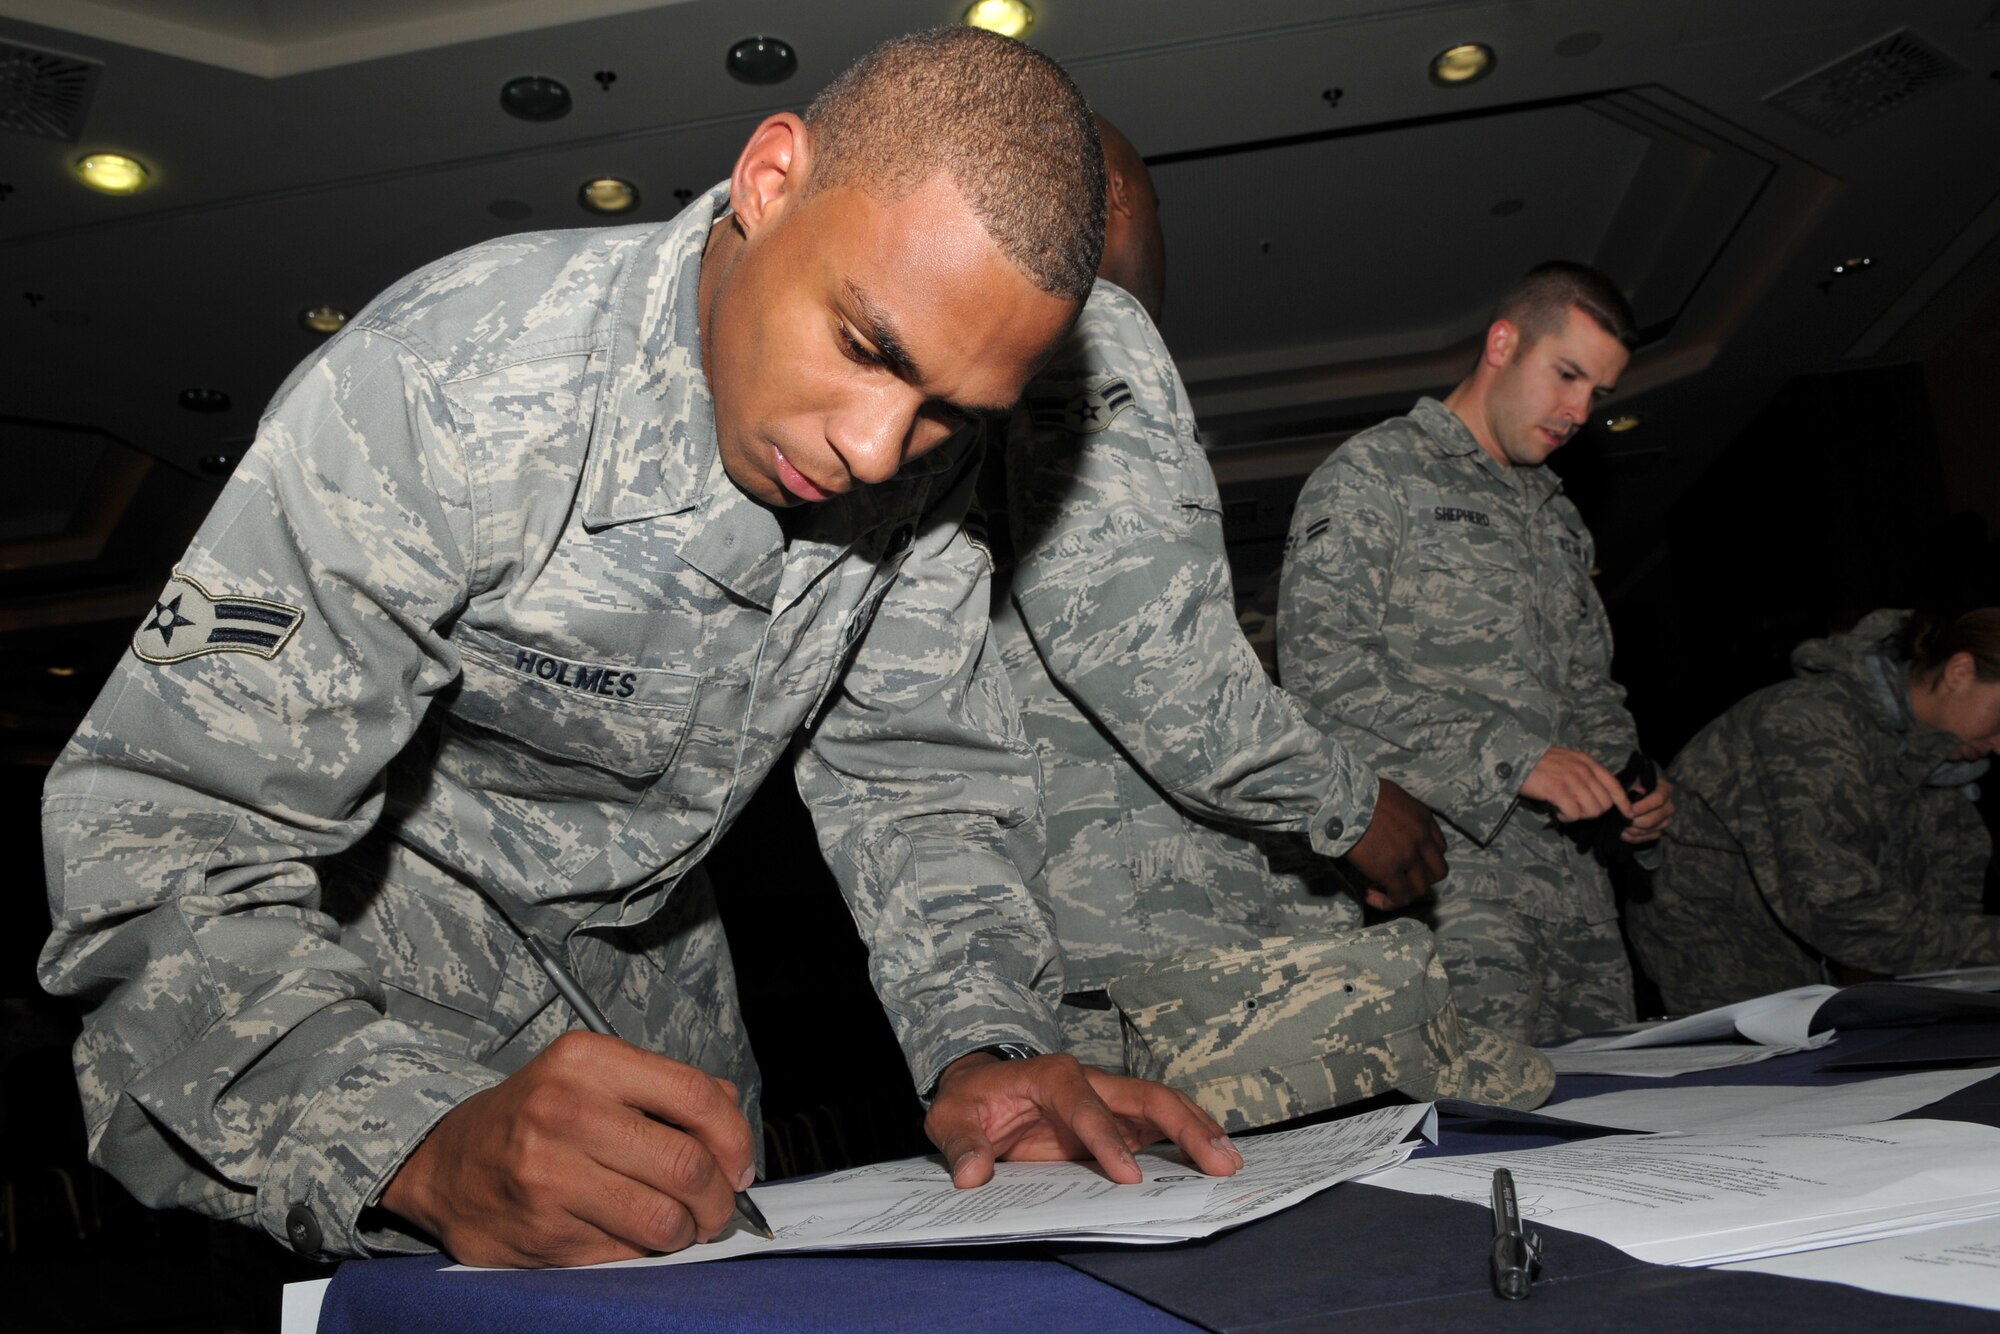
761,60
608,194
1009,18
1465,63
62,671
218,465
1623,422
322,319
204,400
1854,264
113,173
535,97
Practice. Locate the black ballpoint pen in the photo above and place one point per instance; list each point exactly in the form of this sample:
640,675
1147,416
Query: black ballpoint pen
1516,1251
593,1019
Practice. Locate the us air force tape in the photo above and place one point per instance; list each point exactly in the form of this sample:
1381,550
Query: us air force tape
189,621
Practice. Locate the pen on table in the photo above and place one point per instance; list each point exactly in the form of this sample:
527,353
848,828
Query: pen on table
593,1019
1516,1251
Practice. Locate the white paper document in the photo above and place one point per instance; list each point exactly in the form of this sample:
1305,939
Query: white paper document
1713,1198
911,1202
1958,1264
1983,977
1781,1019
1758,1109
1659,1062
299,1312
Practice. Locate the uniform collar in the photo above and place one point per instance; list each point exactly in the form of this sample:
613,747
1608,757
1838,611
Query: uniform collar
1451,437
652,447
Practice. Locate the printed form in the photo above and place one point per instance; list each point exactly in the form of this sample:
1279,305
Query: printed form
911,1202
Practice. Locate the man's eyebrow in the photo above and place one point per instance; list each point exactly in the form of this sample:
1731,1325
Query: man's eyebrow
1596,390
880,331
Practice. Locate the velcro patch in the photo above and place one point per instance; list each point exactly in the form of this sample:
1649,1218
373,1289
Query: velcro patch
1085,414
189,621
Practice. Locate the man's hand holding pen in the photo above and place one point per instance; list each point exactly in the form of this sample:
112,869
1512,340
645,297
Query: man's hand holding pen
595,1150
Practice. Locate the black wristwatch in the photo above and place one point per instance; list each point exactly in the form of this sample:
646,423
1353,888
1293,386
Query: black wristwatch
1008,1051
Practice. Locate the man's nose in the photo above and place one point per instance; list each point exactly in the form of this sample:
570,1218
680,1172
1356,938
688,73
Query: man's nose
872,433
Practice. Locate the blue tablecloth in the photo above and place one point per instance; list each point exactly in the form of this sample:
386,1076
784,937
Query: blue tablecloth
1368,1258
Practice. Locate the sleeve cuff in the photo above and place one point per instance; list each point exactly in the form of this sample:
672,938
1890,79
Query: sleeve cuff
1342,818
1506,754
340,1153
986,1012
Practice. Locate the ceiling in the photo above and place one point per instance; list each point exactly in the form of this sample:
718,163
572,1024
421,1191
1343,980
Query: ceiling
1337,224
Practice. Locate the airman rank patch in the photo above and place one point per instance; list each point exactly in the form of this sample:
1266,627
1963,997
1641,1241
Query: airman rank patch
189,621
1086,414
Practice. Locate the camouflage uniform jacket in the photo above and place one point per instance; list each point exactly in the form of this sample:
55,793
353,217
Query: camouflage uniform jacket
480,631
1437,606
1813,829
1166,752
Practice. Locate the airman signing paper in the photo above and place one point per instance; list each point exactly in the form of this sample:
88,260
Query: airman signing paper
532,574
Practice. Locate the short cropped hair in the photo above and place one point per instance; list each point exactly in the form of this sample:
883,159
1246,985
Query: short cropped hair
1539,302
999,118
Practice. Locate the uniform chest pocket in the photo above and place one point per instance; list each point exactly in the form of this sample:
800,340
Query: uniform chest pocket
559,750
1466,574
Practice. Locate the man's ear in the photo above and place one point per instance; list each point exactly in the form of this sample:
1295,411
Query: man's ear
770,173
1503,340
1119,195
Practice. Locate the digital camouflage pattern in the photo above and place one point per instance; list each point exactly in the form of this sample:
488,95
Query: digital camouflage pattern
1174,770
1436,607
1263,1032
1816,826
544,651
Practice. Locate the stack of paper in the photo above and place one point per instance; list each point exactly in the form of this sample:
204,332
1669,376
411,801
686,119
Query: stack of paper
1757,1109
912,1202
1716,1198
1948,1264
1774,1024
1785,1021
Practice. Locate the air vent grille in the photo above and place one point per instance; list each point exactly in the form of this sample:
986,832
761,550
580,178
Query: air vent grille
45,93
1868,83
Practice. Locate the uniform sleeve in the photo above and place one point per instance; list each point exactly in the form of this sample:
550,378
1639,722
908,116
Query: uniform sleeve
1828,837
1953,861
234,1058
1461,752
1598,723
1121,584
924,794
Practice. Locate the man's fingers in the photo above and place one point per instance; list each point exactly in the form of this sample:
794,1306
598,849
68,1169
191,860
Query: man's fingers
968,1155
680,1095
1603,788
670,1164
1075,1104
1171,1114
631,1218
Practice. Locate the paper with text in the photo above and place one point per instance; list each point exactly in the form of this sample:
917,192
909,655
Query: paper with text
1713,1198
1959,1264
911,1202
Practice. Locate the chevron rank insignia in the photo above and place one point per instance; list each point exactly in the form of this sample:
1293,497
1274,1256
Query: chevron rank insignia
189,621
1087,413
